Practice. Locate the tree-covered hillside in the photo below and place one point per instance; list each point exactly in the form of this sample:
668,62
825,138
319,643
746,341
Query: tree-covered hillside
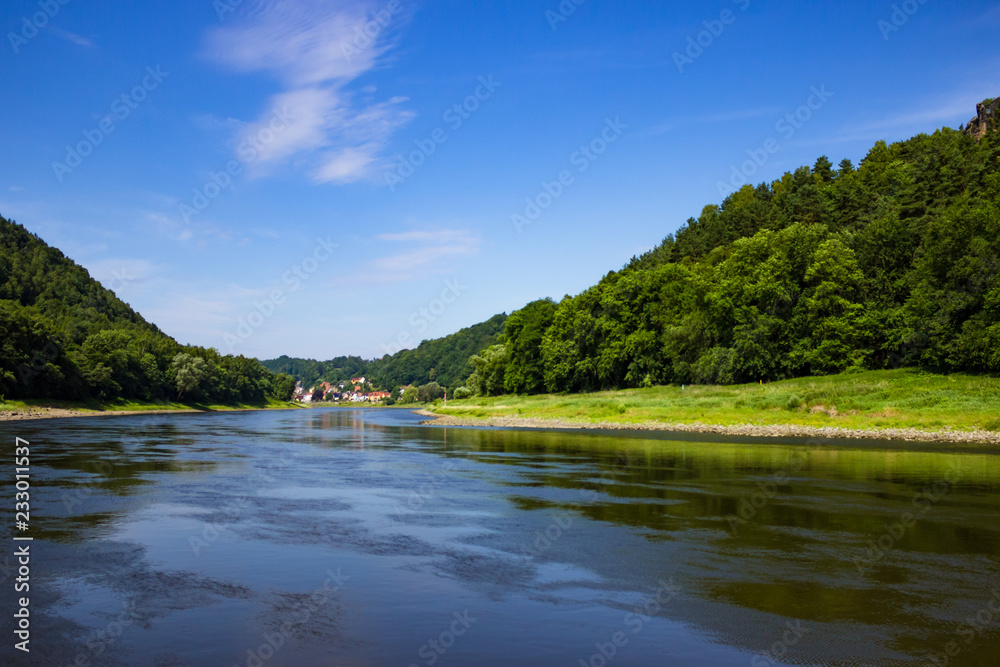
64,336
443,360
894,263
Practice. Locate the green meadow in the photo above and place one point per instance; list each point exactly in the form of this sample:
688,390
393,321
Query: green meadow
902,398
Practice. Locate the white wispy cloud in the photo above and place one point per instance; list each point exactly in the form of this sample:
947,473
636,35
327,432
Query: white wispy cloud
922,115
723,117
72,38
312,48
427,247
930,117
203,317
124,275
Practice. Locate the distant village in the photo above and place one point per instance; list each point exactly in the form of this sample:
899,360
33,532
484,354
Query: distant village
344,392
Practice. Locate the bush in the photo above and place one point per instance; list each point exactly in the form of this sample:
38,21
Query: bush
794,402
715,367
462,392
430,392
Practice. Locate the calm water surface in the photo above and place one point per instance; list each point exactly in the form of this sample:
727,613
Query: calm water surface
335,537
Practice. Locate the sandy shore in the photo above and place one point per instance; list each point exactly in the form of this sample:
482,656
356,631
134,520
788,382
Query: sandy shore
60,413
773,431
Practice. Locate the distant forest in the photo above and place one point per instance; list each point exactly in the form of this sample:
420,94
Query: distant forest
64,336
444,361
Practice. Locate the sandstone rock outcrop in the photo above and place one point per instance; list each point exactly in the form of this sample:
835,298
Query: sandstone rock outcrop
986,117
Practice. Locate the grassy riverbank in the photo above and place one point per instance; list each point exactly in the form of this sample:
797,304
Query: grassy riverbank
876,400
47,408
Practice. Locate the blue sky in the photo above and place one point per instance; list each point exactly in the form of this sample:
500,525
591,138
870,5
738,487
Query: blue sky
317,178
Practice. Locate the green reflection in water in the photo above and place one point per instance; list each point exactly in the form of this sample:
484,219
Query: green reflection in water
832,533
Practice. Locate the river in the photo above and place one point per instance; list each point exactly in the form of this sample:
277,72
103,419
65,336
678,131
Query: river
360,537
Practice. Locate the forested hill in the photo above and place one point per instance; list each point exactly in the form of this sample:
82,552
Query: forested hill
37,275
442,360
893,263
64,336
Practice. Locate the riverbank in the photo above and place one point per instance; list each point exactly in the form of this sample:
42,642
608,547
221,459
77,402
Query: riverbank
759,431
903,404
29,410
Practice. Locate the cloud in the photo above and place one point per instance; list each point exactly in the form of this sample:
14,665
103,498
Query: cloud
716,118
315,48
211,123
925,115
928,118
432,246
73,38
344,165
123,275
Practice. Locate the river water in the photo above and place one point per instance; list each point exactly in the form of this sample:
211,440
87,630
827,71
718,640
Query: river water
349,537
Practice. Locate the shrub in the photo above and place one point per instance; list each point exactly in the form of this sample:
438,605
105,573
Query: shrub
716,366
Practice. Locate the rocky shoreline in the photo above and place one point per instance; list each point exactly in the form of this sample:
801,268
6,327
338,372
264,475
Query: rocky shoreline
26,414
754,430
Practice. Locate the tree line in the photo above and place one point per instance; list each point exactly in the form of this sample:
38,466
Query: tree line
892,263
443,362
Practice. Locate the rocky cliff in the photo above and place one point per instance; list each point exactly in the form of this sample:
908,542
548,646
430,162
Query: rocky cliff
986,117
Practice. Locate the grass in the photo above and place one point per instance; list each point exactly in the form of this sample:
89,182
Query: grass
905,398
122,405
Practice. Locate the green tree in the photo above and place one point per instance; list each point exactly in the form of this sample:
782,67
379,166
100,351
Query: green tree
190,373
430,392
523,334
823,169
831,313
283,387
488,371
